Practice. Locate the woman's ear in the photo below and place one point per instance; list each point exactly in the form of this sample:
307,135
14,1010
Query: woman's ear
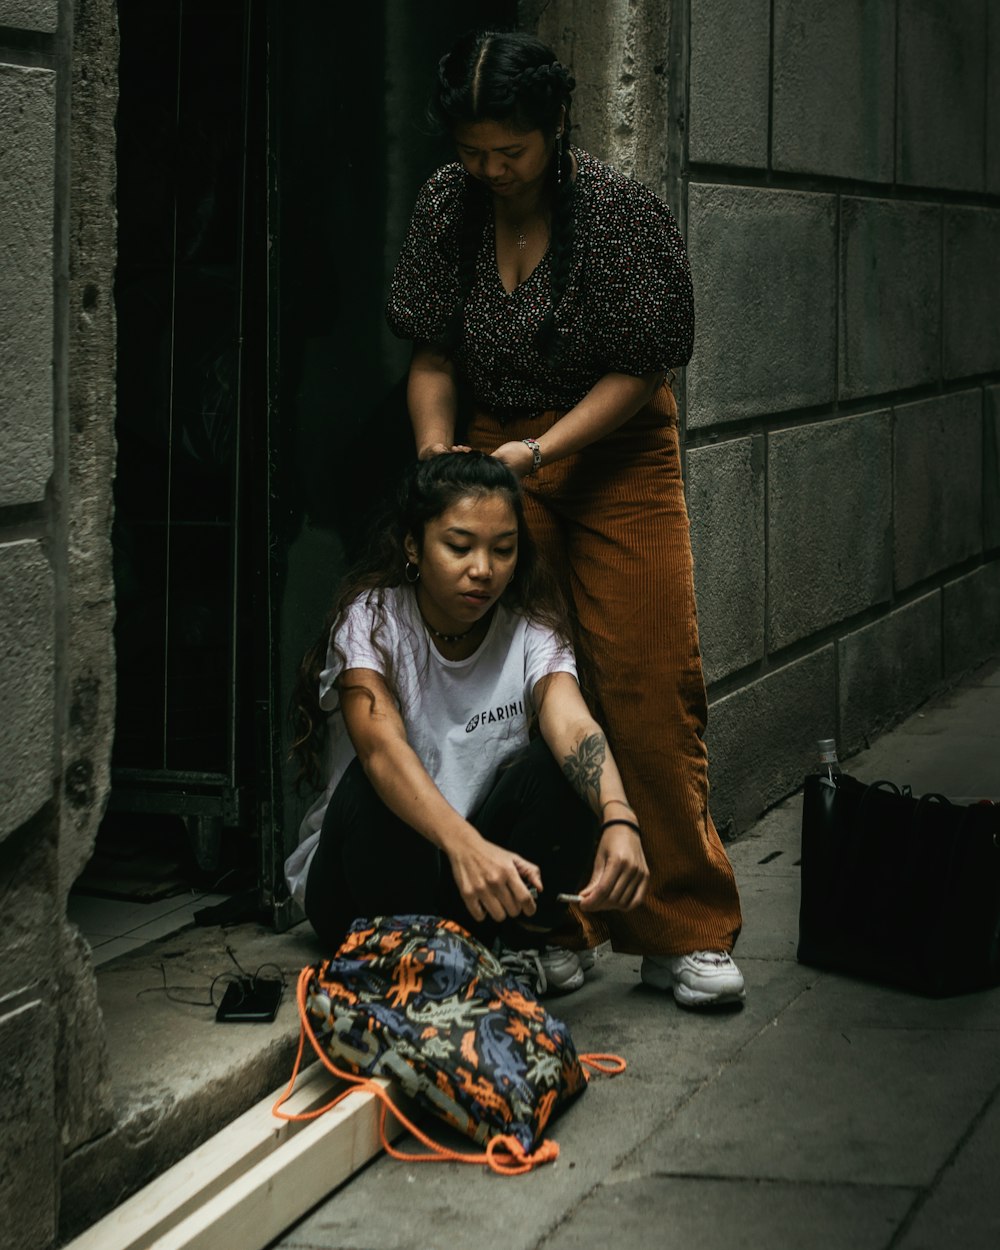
410,549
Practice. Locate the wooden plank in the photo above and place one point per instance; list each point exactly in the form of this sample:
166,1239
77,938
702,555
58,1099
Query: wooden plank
208,1169
259,1205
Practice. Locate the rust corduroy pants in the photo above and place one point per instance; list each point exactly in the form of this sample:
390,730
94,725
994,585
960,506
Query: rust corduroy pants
612,521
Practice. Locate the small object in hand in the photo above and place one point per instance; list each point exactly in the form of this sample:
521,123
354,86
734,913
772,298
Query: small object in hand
569,898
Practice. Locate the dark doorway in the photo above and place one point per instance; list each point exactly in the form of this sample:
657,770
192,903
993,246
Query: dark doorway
269,154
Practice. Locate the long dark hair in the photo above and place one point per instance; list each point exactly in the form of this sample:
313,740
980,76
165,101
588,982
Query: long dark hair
428,489
516,80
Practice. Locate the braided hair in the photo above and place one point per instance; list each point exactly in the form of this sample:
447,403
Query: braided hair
513,79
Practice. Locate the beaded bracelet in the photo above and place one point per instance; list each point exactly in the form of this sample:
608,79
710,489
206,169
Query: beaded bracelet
621,821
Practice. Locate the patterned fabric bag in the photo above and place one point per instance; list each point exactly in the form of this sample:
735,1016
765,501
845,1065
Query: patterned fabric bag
417,999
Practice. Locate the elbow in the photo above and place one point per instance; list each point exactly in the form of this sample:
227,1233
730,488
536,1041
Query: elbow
375,764
582,729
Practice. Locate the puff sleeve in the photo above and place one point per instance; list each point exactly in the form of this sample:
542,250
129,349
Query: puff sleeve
639,284
424,287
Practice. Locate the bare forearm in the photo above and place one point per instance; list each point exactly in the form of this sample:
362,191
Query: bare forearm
406,788
620,873
618,880
610,402
492,880
590,768
432,399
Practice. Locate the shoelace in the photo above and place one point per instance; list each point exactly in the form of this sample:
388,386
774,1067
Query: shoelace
714,958
525,966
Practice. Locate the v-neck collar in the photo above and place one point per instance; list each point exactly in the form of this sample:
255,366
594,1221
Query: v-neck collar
491,228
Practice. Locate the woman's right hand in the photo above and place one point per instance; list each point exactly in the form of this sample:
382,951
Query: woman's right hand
494,881
439,449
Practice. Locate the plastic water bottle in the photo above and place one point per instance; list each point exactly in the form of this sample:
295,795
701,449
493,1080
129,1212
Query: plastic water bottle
829,765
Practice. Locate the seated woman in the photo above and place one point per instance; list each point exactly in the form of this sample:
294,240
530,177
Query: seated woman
465,776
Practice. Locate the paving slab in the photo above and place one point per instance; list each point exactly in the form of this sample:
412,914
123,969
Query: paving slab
805,1103
954,750
965,1208
707,1214
841,1004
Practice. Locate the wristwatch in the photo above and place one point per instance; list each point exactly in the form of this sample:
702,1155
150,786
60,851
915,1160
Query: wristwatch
536,453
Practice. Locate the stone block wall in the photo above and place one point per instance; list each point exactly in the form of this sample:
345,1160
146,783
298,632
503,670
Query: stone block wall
28,812
842,219
836,169
57,89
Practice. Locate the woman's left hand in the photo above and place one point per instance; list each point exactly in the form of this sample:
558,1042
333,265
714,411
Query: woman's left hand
620,876
518,457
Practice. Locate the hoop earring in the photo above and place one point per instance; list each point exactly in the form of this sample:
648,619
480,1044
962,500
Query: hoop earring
406,573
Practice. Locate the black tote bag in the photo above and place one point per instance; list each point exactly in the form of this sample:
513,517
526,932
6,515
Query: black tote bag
899,889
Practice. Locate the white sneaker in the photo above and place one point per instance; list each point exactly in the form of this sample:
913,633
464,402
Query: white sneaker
700,979
551,970
563,969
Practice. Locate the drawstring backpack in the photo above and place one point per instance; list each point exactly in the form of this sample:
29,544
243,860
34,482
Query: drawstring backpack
419,1000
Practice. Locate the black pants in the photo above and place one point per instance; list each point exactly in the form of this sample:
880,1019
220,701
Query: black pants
371,863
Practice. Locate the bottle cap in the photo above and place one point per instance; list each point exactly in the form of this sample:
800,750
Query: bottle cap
827,748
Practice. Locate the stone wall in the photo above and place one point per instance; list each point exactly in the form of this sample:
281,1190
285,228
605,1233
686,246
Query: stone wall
837,171
56,420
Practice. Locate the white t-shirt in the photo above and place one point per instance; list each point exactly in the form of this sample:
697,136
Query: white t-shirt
463,718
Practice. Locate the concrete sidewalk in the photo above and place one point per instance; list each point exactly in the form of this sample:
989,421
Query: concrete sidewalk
826,1113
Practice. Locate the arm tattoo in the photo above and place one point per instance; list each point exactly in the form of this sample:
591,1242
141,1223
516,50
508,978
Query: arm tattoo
584,767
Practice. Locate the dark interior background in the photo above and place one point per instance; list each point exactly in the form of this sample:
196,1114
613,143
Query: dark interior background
268,154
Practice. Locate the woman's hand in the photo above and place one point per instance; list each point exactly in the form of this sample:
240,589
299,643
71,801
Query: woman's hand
439,449
620,876
518,457
493,881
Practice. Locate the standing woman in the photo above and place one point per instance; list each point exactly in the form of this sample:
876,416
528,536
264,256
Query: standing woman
555,294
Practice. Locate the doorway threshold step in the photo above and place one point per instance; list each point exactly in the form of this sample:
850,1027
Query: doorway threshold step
177,1075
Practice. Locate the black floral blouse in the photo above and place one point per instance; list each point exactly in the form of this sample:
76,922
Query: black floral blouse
628,306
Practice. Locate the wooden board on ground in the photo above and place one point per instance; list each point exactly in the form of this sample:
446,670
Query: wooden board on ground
255,1209
184,1194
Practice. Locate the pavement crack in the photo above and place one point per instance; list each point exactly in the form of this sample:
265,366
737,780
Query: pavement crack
805,1182
927,1191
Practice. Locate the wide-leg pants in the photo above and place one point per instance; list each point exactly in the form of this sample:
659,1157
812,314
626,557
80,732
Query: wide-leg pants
612,521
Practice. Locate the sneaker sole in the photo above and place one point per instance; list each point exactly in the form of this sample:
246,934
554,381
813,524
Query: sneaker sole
687,997
660,979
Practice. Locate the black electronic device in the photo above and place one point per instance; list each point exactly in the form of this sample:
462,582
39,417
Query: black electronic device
253,1000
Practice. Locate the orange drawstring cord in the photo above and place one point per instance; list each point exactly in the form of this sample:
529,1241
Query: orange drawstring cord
606,1064
504,1154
